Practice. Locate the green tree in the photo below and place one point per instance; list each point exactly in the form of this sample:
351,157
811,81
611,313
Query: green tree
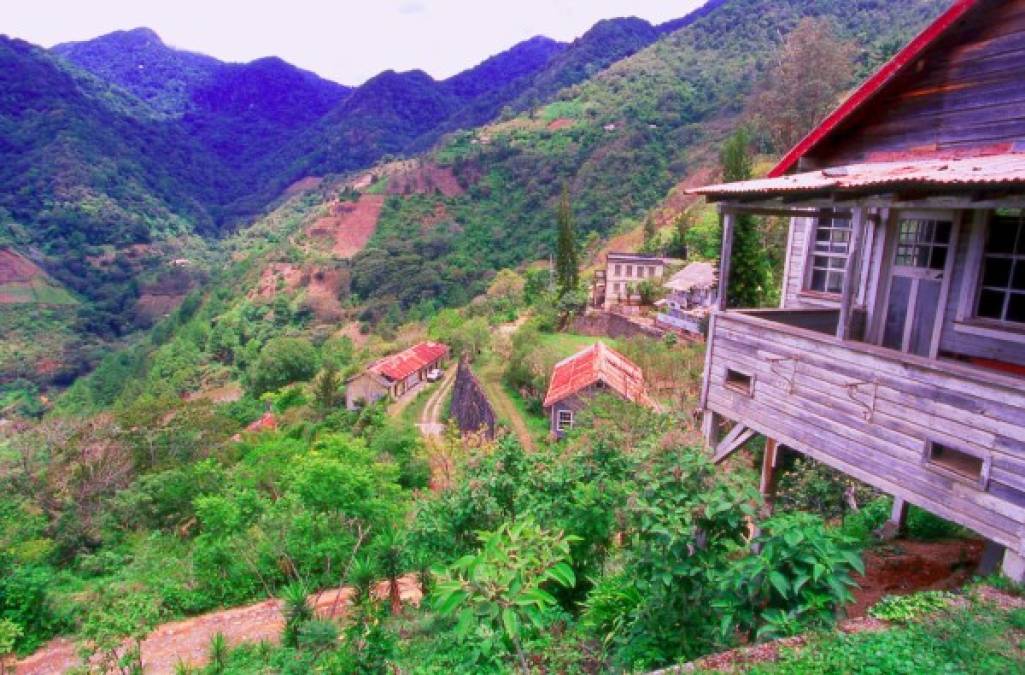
750,268
326,390
281,361
567,270
9,634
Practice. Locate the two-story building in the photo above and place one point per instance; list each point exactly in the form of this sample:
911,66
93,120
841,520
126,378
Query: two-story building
692,294
622,275
898,353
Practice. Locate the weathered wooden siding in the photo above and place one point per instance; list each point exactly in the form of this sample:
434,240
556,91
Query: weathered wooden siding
967,93
869,412
796,257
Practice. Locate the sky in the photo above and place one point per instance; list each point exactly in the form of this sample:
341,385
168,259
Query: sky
343,40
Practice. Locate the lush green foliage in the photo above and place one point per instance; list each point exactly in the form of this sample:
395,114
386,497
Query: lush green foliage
798,578
907,608
498,593
977,638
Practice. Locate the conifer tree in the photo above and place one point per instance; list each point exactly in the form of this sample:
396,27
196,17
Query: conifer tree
567,273
750,268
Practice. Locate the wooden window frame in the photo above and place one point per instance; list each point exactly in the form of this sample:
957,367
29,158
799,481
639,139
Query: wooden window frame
748,390
965,319
811,236
559,423
981,482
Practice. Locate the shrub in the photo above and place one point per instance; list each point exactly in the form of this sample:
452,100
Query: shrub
282,361
798,578
499,592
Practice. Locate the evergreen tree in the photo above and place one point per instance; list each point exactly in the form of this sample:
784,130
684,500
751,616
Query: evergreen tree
326,388
750,268
567,272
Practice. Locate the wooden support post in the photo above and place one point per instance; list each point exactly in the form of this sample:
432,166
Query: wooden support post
851,277
1013,566
726,220
893,527
767,485
992,557
710,429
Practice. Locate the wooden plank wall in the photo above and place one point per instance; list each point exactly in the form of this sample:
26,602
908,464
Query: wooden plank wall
795,262
870,417
967,93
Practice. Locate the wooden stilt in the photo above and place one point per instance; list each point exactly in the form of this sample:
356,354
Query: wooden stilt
767,485
710,429
893,527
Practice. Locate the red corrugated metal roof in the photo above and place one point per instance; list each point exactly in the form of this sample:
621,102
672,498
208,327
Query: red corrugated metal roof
597,362
872,86
405,363
991,171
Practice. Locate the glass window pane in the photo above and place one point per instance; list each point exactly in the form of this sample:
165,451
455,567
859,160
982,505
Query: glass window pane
943,232
835,282
991,304
1001,237
1016,308
939,258
996,272
818,280
1018,279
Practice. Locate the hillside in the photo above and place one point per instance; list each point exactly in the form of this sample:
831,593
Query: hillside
206,477
620,141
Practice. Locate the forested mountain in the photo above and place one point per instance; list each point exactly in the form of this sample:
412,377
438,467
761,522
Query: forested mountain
208,461
619,141
126,181
139,61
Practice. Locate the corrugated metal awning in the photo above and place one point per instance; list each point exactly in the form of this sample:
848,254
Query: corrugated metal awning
974,172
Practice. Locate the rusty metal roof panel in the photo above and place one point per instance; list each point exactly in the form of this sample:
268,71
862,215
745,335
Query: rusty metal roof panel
985,171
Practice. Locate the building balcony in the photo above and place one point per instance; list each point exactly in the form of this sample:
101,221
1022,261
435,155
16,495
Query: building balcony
941,434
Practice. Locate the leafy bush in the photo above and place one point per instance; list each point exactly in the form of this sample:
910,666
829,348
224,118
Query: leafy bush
798,578
499,593
283,360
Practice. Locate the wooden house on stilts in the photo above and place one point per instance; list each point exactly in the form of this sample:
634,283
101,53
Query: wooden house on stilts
898,352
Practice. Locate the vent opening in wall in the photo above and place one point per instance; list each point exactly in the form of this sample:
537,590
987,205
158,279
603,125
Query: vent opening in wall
954,460
739,382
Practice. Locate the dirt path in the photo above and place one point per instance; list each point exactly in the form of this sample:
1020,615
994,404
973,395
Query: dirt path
491,377
430,419
189,639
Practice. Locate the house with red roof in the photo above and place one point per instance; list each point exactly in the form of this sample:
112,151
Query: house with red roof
394,375
897,355
594,370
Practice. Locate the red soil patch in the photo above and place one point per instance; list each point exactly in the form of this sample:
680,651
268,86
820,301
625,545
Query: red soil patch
678,201
424,178
560,123
156,306
228,393
302,185
349,226
16,268
903,566
322,285
439,216
189,640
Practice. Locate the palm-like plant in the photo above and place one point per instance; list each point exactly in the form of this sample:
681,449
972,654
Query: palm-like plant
297,611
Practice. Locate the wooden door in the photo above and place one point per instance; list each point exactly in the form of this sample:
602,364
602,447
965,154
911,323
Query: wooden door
921,255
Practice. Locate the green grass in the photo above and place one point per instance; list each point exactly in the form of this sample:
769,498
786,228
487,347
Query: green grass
538,425
975,638
567,344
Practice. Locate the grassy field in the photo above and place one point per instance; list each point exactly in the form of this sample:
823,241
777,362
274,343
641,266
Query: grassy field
567,344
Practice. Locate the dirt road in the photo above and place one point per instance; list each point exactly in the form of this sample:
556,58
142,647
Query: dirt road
188,640
430,419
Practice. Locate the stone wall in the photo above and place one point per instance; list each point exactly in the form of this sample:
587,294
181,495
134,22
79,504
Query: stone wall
607,324
470,406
